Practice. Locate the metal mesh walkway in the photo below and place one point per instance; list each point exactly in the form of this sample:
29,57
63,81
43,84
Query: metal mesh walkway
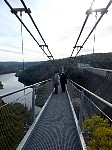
55,128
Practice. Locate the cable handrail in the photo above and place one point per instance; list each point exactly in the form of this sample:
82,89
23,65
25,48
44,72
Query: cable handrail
27,87
99,98
99,109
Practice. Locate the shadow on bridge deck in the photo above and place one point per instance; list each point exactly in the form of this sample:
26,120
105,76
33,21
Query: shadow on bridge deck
55,128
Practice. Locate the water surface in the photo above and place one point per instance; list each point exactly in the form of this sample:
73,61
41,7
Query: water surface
10,83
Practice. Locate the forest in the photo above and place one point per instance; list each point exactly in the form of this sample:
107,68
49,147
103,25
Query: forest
45,70
100,131
13,118
13,67
99,60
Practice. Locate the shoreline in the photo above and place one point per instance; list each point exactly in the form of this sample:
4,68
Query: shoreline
1,85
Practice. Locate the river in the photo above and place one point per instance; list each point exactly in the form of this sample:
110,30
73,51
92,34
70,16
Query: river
10,83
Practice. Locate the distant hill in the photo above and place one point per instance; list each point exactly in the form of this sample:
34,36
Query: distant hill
98,60
6,69
19,65
45,70
10,67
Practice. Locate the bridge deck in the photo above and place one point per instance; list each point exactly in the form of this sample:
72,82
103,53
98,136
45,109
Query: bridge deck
55,129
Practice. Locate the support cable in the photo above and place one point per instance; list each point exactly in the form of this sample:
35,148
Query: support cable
95,26
80,34
22,47
87,16
22,38
102,14
94,35
35,25
13,11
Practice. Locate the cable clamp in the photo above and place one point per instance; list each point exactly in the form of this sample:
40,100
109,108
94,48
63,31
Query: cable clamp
16,10
78,47
89,11
101,10
42,46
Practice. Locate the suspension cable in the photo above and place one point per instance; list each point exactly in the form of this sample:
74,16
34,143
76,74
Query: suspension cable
35,26
94,34
22,38
22,47
87,16
13,11
80,34
102,14
94,26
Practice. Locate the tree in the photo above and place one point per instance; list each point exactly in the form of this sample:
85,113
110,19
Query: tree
13,118
100,133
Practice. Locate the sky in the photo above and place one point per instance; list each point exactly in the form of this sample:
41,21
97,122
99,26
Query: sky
59,22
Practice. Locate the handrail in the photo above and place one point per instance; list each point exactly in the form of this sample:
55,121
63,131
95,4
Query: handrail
98,69
101,99
76,121
16,91
99,109
28,134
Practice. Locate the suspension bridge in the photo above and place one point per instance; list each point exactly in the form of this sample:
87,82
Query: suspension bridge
58,126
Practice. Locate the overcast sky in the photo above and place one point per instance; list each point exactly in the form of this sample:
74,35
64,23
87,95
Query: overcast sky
59,22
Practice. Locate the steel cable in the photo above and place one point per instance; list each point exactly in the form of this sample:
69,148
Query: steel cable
13,11
82,28
35,25
102,14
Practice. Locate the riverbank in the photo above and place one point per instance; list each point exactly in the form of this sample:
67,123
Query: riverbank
1,85
10,83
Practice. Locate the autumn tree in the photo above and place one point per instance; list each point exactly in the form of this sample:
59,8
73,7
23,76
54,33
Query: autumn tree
100,133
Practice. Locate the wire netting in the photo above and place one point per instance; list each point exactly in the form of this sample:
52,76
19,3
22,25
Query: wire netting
42,93
15,119
91,105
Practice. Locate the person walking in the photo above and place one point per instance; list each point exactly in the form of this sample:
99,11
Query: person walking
56,79
63,81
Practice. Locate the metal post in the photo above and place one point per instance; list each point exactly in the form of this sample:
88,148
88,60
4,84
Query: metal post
33,104
81,109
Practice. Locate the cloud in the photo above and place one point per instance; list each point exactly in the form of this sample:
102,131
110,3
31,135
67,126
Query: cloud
58,21
9,51
68,34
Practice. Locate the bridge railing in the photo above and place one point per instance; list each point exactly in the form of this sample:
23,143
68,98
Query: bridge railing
18,115
87,104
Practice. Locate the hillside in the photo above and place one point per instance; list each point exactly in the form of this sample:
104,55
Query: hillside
6,69
97,60
10,67
46,70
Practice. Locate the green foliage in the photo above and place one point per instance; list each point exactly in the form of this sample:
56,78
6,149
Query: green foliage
13,117
6,69
98,60
12,67
1,102
45,70
100,133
